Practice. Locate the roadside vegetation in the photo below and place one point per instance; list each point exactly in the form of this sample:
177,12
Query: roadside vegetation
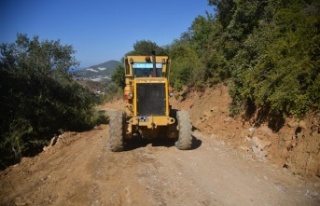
267,51
39,99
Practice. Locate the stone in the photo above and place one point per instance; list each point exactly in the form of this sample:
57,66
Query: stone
259,153
302,124
261,144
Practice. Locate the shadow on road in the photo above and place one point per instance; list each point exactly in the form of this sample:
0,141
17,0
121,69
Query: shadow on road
157,142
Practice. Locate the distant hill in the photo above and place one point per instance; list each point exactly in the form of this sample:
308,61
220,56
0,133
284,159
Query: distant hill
99,72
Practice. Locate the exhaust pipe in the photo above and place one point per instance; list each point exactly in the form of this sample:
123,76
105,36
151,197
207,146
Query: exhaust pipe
154,70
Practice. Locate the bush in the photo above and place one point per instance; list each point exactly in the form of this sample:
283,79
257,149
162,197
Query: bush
38,97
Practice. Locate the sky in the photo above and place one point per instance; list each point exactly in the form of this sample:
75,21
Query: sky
99,30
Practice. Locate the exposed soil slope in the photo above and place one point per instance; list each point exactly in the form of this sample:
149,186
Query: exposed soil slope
295,146
80,170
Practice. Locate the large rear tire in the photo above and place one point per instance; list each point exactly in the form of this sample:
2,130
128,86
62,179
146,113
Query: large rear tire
185,131
116,131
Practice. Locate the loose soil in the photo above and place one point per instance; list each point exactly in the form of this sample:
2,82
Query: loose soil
221,169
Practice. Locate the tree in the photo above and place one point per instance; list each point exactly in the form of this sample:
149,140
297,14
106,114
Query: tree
118,77
224,9
38,96
276,69
145,47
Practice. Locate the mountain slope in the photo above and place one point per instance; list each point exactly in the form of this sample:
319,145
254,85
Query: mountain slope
99,72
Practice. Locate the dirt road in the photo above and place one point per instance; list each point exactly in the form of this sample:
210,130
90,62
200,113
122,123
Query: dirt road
80,170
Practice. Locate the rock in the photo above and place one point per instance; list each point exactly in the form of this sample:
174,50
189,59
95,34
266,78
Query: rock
45,148
260,154
302,124
292,124
261,144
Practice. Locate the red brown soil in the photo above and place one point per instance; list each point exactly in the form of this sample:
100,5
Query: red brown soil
221,169
295,146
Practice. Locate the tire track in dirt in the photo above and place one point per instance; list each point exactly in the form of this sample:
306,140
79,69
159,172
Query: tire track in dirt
80,170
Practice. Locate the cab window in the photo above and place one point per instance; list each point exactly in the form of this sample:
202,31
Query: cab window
145,69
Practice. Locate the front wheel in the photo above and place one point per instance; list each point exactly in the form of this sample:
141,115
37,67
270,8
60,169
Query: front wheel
185,131
116,131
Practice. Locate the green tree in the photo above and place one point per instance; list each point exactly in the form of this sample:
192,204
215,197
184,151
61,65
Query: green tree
145,47
277,69
207,36
118,77
38,96
224,9
186,68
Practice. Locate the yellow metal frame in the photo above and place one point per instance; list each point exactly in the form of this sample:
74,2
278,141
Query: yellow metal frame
159,59
131,85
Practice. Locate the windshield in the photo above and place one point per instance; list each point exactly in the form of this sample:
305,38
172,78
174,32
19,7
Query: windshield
145,69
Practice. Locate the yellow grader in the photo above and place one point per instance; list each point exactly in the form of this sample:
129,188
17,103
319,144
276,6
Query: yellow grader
148,113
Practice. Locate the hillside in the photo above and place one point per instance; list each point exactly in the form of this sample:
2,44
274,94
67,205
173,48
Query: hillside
80,170
99,72
294,147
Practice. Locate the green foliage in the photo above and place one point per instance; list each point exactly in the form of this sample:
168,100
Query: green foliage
38,96
225,10
118,76
277,68
186,66
112,91
145,47
269,49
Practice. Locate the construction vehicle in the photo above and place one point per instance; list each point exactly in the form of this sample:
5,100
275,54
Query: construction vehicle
148,113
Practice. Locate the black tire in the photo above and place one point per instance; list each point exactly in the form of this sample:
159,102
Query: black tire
185,131
116,131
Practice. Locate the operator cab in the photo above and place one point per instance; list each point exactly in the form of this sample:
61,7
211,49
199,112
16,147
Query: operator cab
143,69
